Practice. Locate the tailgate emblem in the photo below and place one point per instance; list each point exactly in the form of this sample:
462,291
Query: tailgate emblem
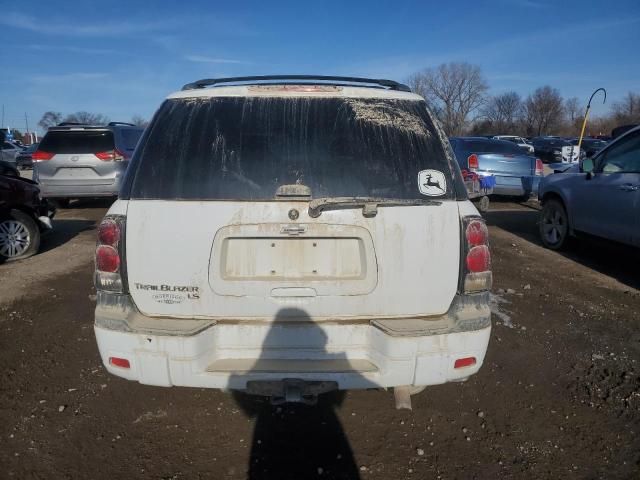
75,158
293,229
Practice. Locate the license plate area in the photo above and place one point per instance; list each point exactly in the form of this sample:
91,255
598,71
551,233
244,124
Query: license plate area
256,259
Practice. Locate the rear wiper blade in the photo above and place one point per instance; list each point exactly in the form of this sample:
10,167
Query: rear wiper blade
369,204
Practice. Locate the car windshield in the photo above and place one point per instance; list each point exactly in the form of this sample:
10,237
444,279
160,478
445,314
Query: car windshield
70,142
244,148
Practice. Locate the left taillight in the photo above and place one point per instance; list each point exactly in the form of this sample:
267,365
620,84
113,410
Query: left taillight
109,257
41,156
476,268
539,167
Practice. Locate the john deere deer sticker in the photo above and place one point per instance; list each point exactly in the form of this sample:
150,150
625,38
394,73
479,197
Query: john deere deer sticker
432,183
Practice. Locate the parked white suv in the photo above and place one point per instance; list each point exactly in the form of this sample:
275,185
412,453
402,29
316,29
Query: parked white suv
287,236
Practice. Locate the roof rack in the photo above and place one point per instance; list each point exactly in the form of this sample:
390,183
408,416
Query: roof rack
208,82
115,124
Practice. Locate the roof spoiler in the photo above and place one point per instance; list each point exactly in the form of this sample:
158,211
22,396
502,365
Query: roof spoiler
373,82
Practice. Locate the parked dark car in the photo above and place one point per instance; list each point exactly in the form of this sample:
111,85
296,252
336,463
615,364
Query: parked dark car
590,146
24,160
516,172
24,216
600,196
555,149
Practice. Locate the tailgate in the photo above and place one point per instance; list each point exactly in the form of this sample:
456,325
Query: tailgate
248,260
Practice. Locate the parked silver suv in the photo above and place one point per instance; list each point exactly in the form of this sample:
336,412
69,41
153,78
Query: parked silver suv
84,160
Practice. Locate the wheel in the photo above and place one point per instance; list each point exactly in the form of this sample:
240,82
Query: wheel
19,236
554,225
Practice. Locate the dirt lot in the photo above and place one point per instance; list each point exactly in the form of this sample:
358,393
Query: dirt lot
558,396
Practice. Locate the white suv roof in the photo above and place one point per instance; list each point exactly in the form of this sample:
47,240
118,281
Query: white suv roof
296,86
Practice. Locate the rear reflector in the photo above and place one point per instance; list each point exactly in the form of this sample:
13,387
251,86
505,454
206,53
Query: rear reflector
472,162
119,362
464,362
41,156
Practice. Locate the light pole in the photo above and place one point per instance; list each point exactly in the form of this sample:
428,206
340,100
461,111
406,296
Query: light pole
586,114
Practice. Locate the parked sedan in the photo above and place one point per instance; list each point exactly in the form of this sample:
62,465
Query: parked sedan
23,215
9,152
24,159
600,196
521,142
555,149
516,173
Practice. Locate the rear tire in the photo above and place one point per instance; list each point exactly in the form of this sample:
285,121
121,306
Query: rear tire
19,236
554,225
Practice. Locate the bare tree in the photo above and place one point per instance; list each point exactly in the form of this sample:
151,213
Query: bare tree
453,90
139,121
627,110
544,110
49,119
573,108
503,112
87,118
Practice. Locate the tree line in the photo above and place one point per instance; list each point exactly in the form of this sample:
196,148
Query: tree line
51,119
457,93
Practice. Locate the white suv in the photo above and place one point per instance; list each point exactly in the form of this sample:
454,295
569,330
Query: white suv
287,236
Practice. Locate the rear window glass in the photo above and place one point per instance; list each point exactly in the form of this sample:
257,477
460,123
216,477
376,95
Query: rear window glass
501,146
244,148
77,142
130,137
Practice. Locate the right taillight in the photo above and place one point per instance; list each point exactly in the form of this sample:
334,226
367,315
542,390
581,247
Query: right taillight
477,257
472,162
539,167
109,275
41,156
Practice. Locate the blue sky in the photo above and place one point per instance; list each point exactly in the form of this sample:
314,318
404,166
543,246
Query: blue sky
121,58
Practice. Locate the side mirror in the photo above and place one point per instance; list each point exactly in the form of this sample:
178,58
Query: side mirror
587,165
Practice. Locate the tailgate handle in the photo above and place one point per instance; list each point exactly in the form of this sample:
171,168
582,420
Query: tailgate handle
293,229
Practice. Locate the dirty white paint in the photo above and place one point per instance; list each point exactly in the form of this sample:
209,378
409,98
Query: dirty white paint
406,259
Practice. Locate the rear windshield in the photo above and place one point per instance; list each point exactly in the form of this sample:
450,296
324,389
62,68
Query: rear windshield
500,146
77,142
130,137
244,148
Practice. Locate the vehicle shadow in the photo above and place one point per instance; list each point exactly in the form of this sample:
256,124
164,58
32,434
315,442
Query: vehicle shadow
609,258
63,231
295,440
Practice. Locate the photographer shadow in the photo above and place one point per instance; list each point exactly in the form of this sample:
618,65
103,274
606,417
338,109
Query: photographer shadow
295,440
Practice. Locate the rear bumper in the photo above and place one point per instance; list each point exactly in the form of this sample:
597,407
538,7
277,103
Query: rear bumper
79,190
227,355
516,186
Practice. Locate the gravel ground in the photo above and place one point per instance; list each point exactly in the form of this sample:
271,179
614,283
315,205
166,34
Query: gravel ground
558,396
